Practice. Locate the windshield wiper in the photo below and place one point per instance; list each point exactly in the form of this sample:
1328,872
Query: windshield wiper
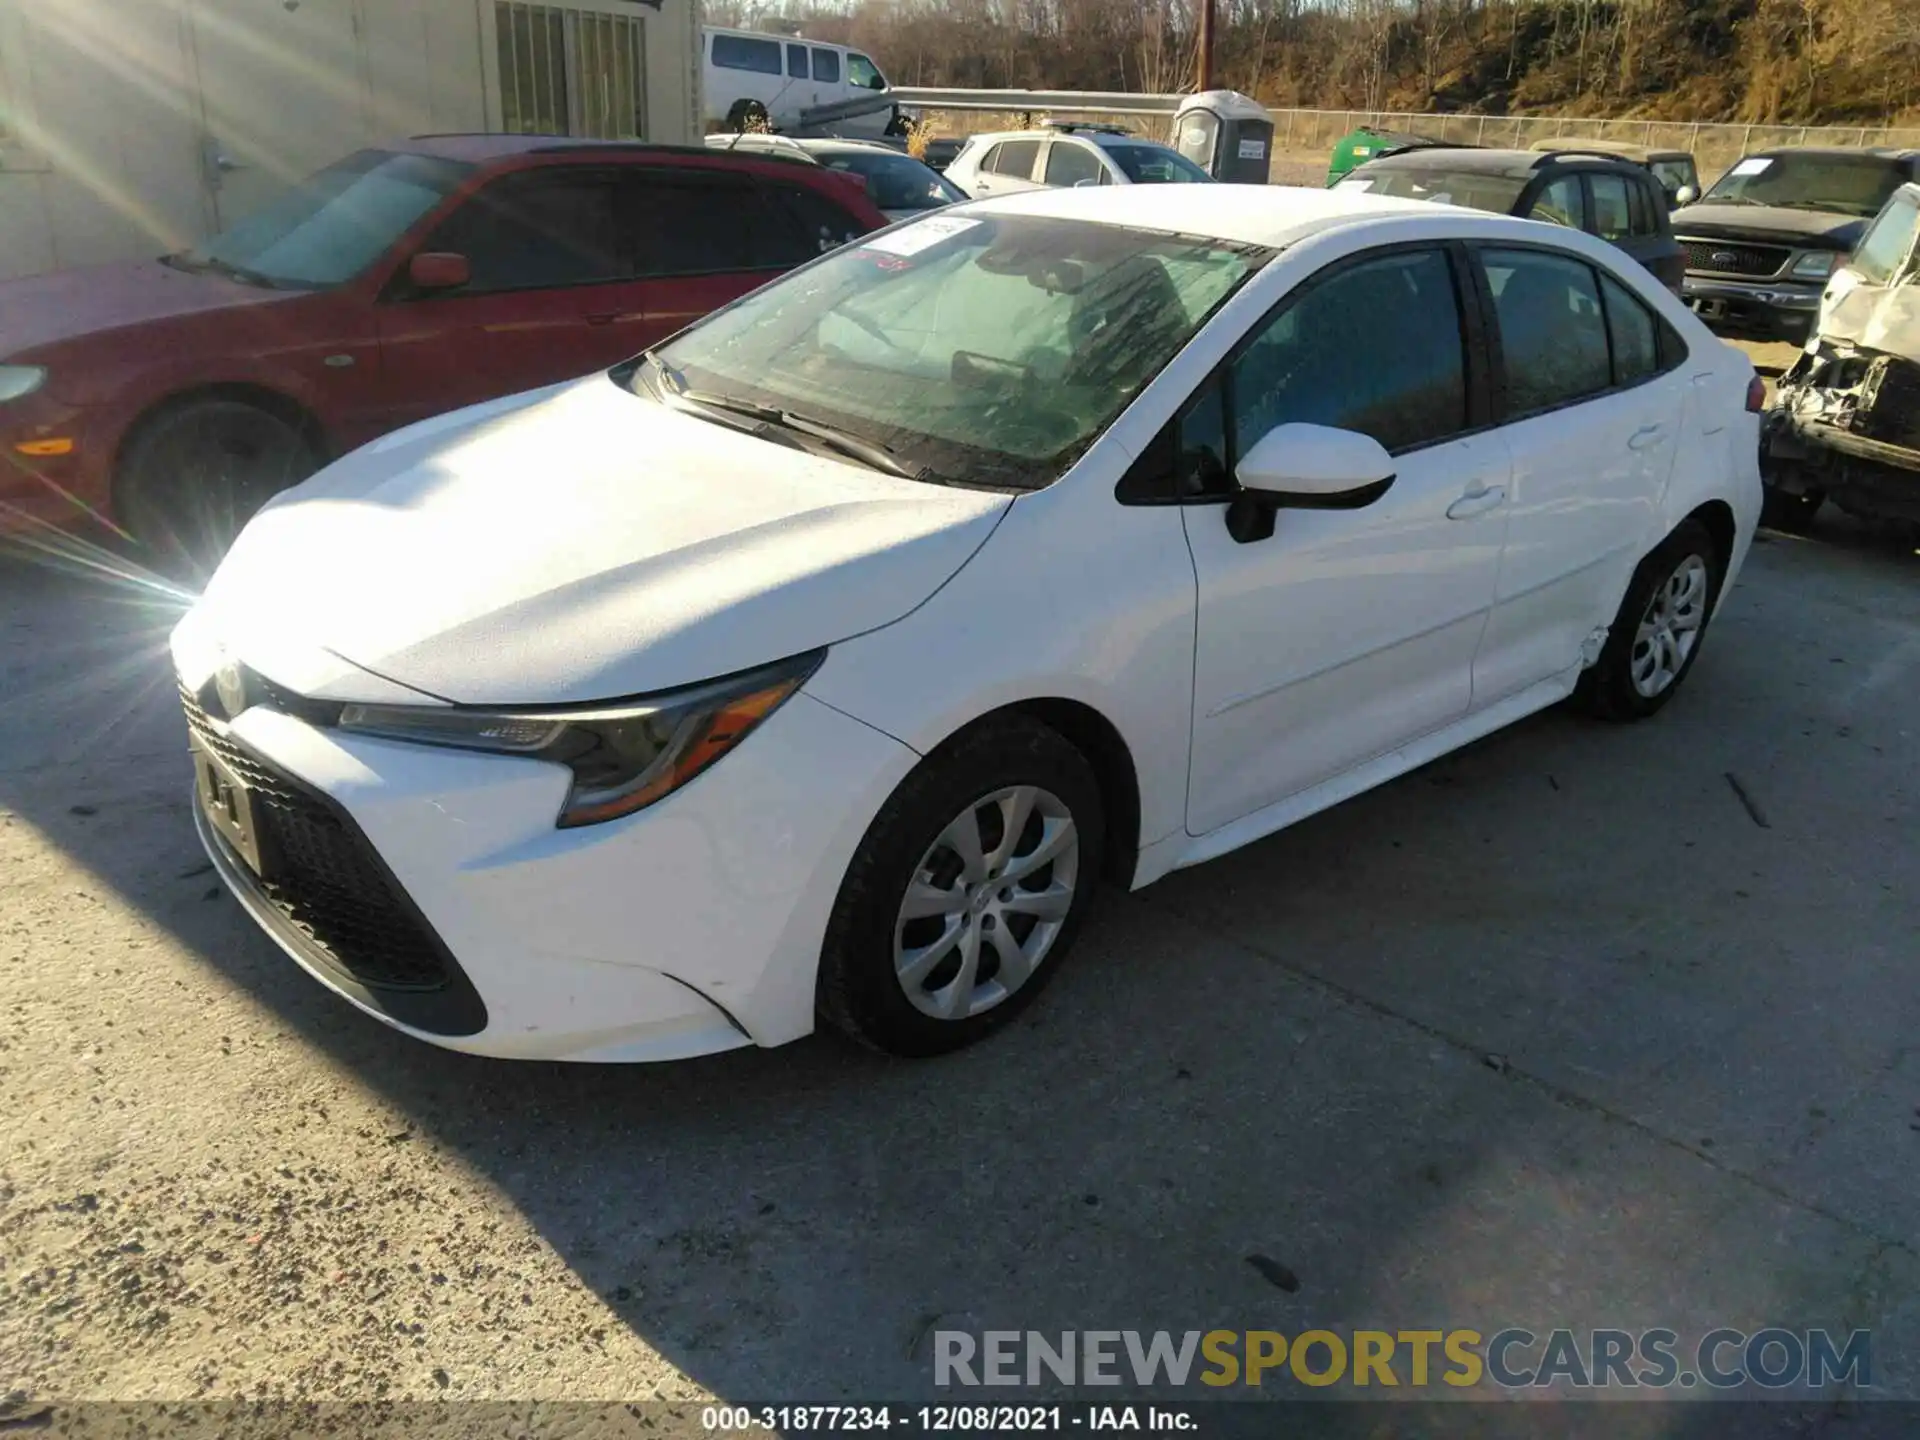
870,453
191,264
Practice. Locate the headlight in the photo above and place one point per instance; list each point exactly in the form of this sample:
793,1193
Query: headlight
18,380
1814,265
624,756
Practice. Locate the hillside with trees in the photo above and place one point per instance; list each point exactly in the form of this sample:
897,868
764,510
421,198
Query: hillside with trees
1759,61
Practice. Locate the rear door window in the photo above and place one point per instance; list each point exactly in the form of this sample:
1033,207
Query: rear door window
1633,332
811,223
740,52
684,222
1014,158
1560,203
1553,333
826,66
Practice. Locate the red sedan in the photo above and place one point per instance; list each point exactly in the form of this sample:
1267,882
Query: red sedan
172,397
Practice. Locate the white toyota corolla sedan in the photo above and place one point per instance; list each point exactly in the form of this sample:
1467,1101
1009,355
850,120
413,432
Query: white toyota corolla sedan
821,663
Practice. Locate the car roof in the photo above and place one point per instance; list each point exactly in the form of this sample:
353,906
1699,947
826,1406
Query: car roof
1092,137
1574,145
1490,162
488,149
1856,152
1272,215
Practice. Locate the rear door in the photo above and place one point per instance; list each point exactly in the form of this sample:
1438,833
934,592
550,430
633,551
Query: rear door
1593,389
1623,210
1009,168
554,294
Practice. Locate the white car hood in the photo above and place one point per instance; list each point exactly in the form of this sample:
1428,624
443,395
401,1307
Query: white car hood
575,545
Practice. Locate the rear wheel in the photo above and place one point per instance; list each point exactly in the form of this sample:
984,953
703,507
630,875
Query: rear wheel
1656,636
196,474
966,893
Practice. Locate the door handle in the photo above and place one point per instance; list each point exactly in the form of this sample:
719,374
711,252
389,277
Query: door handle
1646,435
1476,502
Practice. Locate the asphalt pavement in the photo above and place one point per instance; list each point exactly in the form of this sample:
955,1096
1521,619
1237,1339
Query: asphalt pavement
1585,1025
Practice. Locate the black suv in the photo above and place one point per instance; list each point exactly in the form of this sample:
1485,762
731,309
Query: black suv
1619,202
1763,241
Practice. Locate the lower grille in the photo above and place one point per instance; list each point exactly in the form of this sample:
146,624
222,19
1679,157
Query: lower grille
1728,257
322,875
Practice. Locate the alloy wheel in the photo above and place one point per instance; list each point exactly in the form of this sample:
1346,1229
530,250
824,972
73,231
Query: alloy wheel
1670,628
986,902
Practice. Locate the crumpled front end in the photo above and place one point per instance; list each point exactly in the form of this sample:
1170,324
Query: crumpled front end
1845,427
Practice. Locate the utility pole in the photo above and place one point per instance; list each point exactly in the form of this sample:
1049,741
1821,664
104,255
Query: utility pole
1206,46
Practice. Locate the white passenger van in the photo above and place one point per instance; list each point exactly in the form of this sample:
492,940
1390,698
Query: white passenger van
793,83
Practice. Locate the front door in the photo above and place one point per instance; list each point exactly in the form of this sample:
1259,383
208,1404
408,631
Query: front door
1595,390
555,294
1346,633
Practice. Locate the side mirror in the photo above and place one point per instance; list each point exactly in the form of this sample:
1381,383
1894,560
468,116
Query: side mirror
1686,195
439,270
1306,467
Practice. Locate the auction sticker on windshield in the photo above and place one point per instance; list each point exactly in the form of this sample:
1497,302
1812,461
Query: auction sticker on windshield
923,236
1752,167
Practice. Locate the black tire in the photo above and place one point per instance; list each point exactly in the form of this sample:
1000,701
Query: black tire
194,475
748,115
860,994
1781,510
1608,690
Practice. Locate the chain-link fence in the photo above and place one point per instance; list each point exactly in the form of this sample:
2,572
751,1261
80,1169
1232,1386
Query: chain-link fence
1304,136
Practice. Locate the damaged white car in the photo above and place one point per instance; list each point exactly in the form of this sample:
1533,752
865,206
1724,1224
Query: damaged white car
1845,423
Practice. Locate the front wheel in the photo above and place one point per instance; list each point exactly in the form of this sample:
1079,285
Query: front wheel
1656,636
193,477
966,893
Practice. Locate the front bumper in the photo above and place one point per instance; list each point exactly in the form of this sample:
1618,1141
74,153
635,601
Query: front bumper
1757,309
692,927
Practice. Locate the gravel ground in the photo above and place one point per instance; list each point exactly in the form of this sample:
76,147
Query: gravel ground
1558,1031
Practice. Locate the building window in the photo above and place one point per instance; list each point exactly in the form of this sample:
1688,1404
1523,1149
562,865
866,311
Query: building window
568,71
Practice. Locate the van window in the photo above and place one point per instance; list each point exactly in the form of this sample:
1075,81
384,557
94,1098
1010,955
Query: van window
796,62
741,52
1014,158
826,66
863,74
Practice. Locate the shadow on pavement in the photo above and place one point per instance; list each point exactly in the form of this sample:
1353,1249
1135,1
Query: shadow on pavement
1447,1056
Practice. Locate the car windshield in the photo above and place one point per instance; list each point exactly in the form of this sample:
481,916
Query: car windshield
984,350
1841,184
895,182
330,228
1498,193
1156,165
